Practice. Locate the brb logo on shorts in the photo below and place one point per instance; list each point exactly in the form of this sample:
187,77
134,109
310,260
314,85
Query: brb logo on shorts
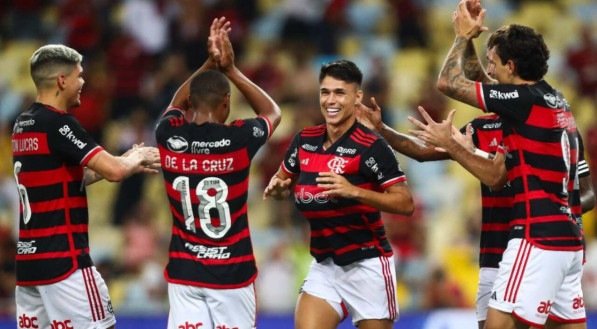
27,322
188,325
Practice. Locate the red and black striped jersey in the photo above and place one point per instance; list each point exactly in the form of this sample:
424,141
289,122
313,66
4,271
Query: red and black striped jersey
50,150
342,229
206,175
541,141
496,205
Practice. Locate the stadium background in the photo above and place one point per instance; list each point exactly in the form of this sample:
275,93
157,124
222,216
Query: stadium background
137,52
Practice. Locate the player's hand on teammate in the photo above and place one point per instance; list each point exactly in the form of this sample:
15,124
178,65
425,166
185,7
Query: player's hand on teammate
468,18
336,185
148,158
438,134
277,188
370,117
219,45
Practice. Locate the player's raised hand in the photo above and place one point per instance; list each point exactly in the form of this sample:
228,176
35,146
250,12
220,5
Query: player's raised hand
219,45
467,24
438,134
370,117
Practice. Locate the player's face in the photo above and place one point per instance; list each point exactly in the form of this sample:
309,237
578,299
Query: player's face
73,85
337,100
495,68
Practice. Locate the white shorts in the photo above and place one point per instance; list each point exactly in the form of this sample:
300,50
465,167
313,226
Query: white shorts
79,301
534,283
205,308
365,289
487,277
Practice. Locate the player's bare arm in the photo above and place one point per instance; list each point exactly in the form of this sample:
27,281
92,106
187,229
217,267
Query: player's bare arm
395,199
453,80
491,172
408,145
260,101
279,185
473,69
115,169
587,194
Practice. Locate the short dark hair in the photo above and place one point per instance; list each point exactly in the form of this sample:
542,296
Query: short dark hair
342,69
525,47
49,61
209,87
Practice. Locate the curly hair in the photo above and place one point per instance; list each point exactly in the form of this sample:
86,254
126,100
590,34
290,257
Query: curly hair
525,47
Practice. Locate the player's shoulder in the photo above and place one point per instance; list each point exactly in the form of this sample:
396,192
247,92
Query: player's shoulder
313,131
488,121
365,136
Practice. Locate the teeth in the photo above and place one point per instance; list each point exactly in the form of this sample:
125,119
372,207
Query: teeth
333,110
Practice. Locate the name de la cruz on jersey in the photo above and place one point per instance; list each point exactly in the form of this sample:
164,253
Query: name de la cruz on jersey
202,157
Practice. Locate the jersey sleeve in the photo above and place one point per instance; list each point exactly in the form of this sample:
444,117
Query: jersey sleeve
72,141
510,101
291,164
380,164
256,130
171,117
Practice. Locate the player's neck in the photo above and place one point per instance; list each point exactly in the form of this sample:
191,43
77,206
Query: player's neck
335,131
199,117
52,98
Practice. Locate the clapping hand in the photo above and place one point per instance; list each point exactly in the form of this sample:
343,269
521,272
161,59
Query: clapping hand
219,45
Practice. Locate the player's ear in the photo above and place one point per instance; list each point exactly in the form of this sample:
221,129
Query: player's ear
359,96
61,81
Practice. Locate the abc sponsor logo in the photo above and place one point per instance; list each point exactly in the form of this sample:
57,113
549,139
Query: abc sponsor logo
26,322
188,325
578,303
544,307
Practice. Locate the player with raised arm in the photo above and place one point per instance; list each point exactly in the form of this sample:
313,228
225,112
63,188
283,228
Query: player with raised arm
211,269
54,158
539,276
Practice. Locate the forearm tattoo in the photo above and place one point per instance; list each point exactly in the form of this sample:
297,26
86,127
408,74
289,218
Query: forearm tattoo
453,72
472,67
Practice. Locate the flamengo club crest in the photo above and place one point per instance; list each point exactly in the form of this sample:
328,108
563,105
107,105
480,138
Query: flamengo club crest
337,165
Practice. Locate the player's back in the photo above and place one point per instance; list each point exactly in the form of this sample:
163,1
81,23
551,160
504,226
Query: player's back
50,150
206,175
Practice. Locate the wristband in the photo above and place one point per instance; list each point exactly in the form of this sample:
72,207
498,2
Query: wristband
481,153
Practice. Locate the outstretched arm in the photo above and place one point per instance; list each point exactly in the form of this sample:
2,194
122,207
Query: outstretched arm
142,159
408,145
491,172
260,101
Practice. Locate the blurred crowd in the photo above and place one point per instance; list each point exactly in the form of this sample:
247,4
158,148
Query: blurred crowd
137,53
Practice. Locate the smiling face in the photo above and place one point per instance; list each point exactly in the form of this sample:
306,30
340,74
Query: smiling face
72,85
337,100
